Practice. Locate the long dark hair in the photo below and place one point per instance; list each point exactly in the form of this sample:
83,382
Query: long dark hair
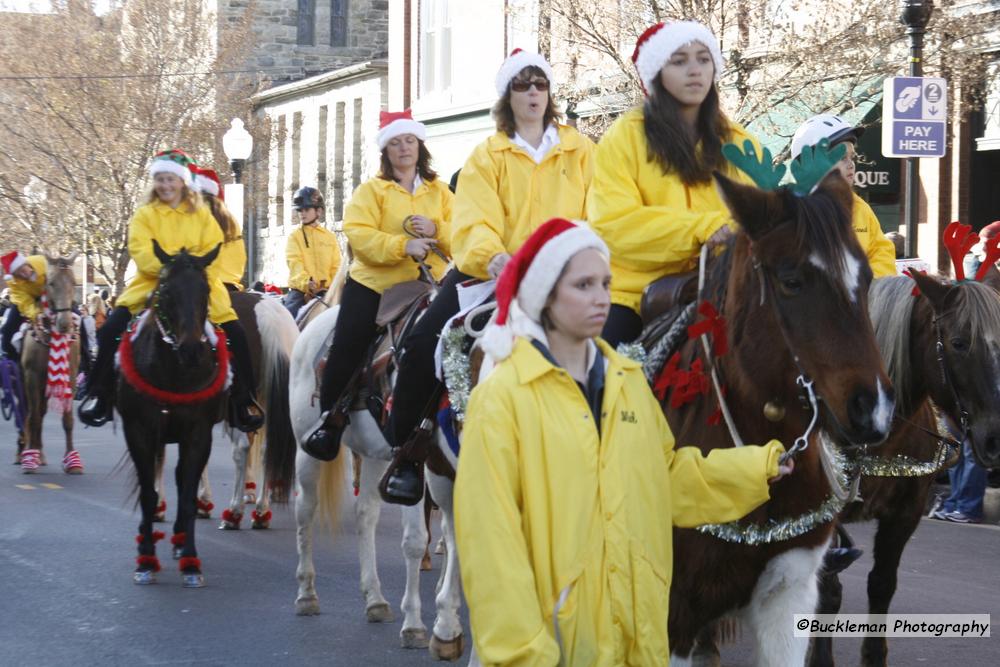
227,223
668,142
503,114
385,171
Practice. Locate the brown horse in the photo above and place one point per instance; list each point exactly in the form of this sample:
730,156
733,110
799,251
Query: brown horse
793,291
57,318
941,348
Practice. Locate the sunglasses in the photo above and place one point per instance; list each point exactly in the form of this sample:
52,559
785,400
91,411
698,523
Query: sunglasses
541,85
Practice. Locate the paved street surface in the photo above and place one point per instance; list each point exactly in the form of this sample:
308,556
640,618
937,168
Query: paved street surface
67,598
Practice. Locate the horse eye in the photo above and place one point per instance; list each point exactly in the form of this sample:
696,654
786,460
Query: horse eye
791,285
959,344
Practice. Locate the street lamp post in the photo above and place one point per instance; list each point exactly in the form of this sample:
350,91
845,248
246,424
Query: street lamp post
238,144
915,15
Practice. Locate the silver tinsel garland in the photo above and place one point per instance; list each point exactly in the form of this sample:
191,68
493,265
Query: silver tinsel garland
904,466
457,373
634,351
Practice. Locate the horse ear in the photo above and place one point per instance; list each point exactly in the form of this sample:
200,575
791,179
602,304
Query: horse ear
72,258
756,210
160,253
209,257
932,288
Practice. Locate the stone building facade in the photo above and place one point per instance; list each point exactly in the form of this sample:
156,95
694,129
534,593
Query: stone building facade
300,38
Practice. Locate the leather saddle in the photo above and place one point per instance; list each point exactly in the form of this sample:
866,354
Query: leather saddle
664,294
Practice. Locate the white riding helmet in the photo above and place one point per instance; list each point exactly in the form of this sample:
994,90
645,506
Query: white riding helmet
823,126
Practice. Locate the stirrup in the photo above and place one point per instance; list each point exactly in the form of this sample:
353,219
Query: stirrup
247,417
322,440
94,412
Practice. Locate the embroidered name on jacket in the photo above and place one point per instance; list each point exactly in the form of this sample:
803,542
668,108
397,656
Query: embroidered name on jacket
628,416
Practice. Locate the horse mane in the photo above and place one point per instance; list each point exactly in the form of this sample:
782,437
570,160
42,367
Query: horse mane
821,224
890,305
977,307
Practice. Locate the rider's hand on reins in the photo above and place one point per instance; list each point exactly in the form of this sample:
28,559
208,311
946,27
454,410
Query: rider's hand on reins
422,226
495,267
418,248
783,470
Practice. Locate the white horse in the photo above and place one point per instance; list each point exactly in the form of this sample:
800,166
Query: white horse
320,485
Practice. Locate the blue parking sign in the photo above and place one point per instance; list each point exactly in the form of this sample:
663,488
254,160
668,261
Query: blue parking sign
914,117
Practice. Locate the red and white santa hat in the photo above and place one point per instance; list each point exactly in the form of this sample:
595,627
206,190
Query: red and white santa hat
393,124
207,181
528,279
12,261
517,61
655,46
173,161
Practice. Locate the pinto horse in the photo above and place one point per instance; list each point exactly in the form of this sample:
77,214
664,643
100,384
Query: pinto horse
941,348
51,350
792,291
172,388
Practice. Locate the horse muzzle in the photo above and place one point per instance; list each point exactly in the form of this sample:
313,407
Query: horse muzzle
869,415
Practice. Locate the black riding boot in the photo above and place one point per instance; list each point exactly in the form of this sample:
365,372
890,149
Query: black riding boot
839,558
98,406
244,412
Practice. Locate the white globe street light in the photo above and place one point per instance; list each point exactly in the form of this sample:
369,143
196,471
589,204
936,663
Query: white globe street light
238,144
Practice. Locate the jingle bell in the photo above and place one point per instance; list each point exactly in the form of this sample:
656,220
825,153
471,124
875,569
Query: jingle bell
774,411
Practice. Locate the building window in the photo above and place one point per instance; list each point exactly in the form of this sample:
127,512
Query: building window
435,46
338,162
338,22
306,23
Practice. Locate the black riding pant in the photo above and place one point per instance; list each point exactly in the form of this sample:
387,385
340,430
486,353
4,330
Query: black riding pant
623,326
239,355
353,335
417,386
12,321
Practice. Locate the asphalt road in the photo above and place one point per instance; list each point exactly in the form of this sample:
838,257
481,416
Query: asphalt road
67,597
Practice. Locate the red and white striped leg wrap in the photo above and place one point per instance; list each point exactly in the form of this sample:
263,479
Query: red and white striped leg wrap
30,460
189,563
148,563
72,462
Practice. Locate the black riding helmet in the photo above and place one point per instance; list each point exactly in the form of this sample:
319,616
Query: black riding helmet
307,197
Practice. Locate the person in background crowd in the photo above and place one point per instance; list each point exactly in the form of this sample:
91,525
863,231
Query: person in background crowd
531,170
313,252
570,483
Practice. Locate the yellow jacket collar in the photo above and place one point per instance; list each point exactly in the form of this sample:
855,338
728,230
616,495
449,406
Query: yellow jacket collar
530,364
569,140
423,186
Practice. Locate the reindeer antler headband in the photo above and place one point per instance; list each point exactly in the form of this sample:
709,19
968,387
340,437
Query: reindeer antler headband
959,239
808,169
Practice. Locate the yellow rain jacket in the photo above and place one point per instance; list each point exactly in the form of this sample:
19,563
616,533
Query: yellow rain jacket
312,252
564,534
503,196
653,223
173,229
232,261
373,223
881,253
25,293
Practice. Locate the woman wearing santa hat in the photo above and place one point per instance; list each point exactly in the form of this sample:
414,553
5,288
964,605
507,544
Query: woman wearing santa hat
25,276
653,199
232,260
175,216
569,481
393,221
532,169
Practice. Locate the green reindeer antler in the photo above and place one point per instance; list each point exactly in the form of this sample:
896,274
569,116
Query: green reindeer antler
763,172
813,164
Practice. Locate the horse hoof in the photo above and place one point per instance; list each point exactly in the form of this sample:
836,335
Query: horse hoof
446,649
307,606
144,577
159,518
380,612
192,580
260,525
202,514
413,638
229,525
425,563
250,499
441,549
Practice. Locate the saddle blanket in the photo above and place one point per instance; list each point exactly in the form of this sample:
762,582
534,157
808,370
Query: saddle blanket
469,297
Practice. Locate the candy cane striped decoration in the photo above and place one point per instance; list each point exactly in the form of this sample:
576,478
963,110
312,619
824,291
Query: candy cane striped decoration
58,388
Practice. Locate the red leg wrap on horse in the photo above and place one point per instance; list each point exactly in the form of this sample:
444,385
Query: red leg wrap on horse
189,562
178,539
148,562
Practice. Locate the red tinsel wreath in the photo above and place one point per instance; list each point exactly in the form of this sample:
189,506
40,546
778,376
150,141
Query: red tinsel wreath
131,374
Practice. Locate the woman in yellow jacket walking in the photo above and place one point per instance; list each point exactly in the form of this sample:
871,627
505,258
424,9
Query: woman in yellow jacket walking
880,250
653,199
569,483
232,260
532,169
312,252
176,218
392,222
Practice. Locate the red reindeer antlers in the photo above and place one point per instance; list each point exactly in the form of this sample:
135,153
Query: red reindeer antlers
959,239
992,247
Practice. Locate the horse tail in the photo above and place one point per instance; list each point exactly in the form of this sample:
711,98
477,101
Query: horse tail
277,334
330,494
